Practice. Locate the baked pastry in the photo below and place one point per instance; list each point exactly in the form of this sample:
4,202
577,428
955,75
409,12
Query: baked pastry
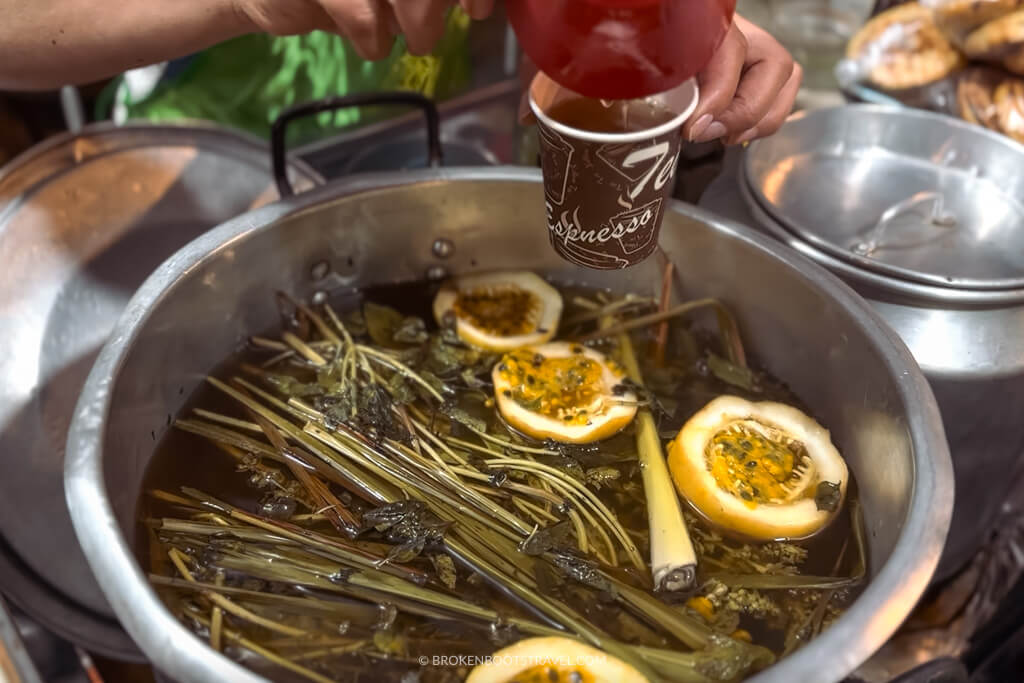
974,93
996,38
1014,62
1008,101
957,18
902,48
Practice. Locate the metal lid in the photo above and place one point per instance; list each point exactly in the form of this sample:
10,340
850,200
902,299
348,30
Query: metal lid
84,219
907,194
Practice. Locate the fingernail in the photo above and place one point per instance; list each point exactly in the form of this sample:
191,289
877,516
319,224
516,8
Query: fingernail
712,132
700,125
746,137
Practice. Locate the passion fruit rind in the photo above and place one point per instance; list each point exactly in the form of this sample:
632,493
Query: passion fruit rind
500,311
763,471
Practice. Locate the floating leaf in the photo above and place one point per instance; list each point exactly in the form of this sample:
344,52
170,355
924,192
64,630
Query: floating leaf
443,359
382,322
827,496
401,392
471,380
407,552
411,330
732,374
727,659
570,466
582,570
289,386
445,568
462,417
549,581
600,477
407,521
554,537
355,322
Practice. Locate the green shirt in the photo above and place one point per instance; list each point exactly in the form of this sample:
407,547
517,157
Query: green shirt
246,82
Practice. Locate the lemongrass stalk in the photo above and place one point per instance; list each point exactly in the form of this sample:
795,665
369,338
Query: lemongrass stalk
227,420
226,436
536,511
303,349
266,654
271,344
173,498
178,559
628,301
511,486
356,612
339,550
673,561
274,360
399,367
216,617
334,651
586,496
403,479
433,438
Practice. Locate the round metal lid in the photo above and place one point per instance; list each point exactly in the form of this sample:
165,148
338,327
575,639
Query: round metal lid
84,219
910,195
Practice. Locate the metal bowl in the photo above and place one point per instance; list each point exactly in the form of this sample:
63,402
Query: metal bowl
800,321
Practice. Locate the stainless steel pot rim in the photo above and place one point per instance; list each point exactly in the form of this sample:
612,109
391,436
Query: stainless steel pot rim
880,282
870,621
894,278
146,133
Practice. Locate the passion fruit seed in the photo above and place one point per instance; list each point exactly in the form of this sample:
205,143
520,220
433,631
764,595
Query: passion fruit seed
756,462
504,311
559,388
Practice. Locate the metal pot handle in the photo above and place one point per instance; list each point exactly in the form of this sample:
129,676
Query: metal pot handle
278,146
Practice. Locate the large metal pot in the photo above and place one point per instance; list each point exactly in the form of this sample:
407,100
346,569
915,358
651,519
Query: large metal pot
955,297
800,321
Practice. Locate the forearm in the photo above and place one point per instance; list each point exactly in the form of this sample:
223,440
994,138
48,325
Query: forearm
48,43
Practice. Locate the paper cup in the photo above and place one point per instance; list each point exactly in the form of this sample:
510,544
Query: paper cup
606,193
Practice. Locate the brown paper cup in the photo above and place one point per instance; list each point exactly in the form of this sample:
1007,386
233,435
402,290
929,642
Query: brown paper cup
606,193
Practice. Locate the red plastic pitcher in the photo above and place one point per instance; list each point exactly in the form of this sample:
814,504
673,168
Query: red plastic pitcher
620,49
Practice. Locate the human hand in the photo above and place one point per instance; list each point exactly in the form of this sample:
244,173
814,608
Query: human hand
747,90
370,25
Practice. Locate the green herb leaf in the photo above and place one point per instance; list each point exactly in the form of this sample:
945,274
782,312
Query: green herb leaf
462,417
555,537
382,322
582,570
401,392
445,568
599,477
731,374
443,359
827,496
412,330
570,466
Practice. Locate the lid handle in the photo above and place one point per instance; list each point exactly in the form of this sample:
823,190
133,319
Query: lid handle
278,145
929,205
